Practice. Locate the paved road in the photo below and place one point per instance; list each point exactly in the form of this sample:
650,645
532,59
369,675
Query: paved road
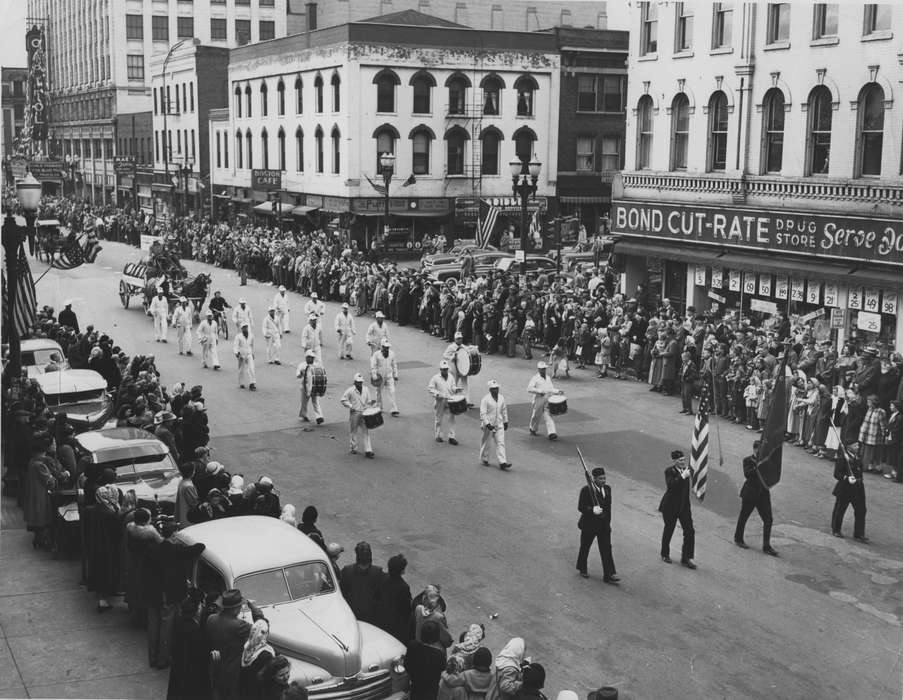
823,619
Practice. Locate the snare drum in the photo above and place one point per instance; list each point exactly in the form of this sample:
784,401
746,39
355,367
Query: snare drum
558,405
373,417
457,405
318,381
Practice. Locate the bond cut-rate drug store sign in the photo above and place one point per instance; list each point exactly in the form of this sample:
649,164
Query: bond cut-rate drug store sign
825,235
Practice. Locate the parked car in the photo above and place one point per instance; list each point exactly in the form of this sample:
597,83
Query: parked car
36,354
536,264
288,576
483,262
140,460
453,254
79,393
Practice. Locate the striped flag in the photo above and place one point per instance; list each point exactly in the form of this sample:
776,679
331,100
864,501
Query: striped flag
381,190
699,447
536,230
24,314
489,214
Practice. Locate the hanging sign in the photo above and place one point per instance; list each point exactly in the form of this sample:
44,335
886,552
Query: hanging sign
796,290
749,282
717,278
889,303
868,322
781,286
813,292
733,280
766,307
870,301
854,298
830,294
818,313
716,297
764,285
838,317
699,275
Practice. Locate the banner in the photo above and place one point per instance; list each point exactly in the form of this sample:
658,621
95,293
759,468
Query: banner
38,99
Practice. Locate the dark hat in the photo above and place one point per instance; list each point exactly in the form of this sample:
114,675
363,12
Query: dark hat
232,598
604,693
482,659
676,454
598,471
534,676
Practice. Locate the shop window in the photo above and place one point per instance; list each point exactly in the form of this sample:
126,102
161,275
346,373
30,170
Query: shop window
422,84
680,128
772,131
870,139
455,140
491,137
718,121
299,150
644,133
722,24
648,28
818,146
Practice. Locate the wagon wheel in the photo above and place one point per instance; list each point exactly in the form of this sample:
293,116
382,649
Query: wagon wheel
124,294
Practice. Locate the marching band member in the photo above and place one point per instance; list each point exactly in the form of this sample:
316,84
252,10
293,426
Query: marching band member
344,327
242,314
312,336
315,306
541,388
306,374
451,356
243,347
273,336
159,309
181,319
494,419
280,302
384,375
377,331
442,387
207,337
357,398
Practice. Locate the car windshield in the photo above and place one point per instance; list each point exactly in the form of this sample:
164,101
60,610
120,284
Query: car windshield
143,467
40,357
284,585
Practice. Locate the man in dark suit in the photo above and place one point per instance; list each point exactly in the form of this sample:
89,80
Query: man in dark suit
849,490
594,505
226,635
675,506
754,496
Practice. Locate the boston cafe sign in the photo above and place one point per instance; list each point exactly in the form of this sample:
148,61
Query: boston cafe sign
824,235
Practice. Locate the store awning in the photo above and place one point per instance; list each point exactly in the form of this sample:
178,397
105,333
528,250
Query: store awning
407,214
242,200
266,208
584,199
302,210
667,251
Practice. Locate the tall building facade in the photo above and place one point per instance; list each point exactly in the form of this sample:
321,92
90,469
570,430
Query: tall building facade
13,82
99,53
763,162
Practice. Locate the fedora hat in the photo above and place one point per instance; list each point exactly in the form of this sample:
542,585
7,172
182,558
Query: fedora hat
232,599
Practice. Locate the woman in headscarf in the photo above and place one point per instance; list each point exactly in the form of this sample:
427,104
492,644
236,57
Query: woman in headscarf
430,606
105,535
508,671
288,515
256,654
470,684
470,642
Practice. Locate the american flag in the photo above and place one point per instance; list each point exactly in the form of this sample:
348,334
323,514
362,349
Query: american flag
382,190
24,314
699,447
489,214
535,228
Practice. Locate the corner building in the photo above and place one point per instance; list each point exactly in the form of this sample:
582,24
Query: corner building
763,162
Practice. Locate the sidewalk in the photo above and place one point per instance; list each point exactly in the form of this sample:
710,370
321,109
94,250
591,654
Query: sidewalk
53,643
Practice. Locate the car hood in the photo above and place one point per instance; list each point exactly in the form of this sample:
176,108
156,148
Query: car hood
164,484
321,630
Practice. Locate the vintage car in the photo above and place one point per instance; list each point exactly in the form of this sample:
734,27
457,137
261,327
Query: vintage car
36,354
140,460
536,264
289,577
79,393
453,254
483,262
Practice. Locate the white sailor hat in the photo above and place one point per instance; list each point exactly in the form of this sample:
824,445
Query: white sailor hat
358,377
385,343
245,324
345,305
310,353
242,301
459,334
313,295
281,287
183,300
159,290
492,384
380,314
443,364
209,312
312,317
541,365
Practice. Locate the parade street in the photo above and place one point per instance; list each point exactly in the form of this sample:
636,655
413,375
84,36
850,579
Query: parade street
822,620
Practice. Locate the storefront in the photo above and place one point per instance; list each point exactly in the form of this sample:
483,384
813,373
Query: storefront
410,220
843,273
586,197
507,214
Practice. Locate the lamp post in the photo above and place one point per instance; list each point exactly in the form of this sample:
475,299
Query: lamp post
387,164
28,192
184,171
72,163
167,145
524,177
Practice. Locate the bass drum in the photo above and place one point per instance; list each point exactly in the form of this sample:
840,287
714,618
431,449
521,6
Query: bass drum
468,361
373,417
318,381
558,405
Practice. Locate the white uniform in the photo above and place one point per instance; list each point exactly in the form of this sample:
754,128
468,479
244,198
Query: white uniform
312,339
344,327
356,401
442,389
376,334
273,336
280,301
207,337
386,370
244,350
451,355
181,319
541,389
159,309
306,376
315,306
242,315
493,417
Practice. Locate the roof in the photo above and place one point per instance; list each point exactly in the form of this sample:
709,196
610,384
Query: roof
70,380
413,18
118,444
40,344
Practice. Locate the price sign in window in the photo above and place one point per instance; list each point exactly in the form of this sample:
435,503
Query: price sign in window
749,282
781,286
813,292
764,285
831,295
854,298
870,301
717,278
796,290
700,276
733,281
889,303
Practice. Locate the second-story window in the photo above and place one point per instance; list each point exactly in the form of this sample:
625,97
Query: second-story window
248,100
648,28
778,22
644,133
385,91
870,139
824,20
683,28
422,85
526,88
318,89
336,93
586,153
680,131
717,158
299,96
722,24
818,145
492,89
773,131
457,94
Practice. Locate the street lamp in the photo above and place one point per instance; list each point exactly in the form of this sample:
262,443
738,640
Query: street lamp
72,161
167,143
184,171
524,177
387,164
28,192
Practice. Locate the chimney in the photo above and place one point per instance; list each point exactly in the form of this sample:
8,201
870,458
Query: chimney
311,16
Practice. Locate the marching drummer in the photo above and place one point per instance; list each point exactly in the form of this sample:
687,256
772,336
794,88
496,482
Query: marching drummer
306,374
273,336
377,331
384,375
451,356
312,336
315,306
357,399
243,347
159,309
541,388
443,387
494,420
280,302
344,328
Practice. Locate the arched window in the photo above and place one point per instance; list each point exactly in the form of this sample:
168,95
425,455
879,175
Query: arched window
457,85
265,149
239,151
318,89
299,96
492,86
385,136
490,139
299,150
644,133
226,149
247,100
336,150
870,136
250,146
818,146
264,93
421,139
280,98
717,155
680,128
237,101
526,85
318,137
336,93
422,82
524,145
385,82
455,141
281,139
772,131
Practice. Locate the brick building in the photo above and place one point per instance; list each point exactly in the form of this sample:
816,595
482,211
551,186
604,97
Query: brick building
13,81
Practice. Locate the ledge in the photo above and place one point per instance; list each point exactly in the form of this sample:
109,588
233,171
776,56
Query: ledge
721,50
682,54
648,57
882,35
825,41
777,46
